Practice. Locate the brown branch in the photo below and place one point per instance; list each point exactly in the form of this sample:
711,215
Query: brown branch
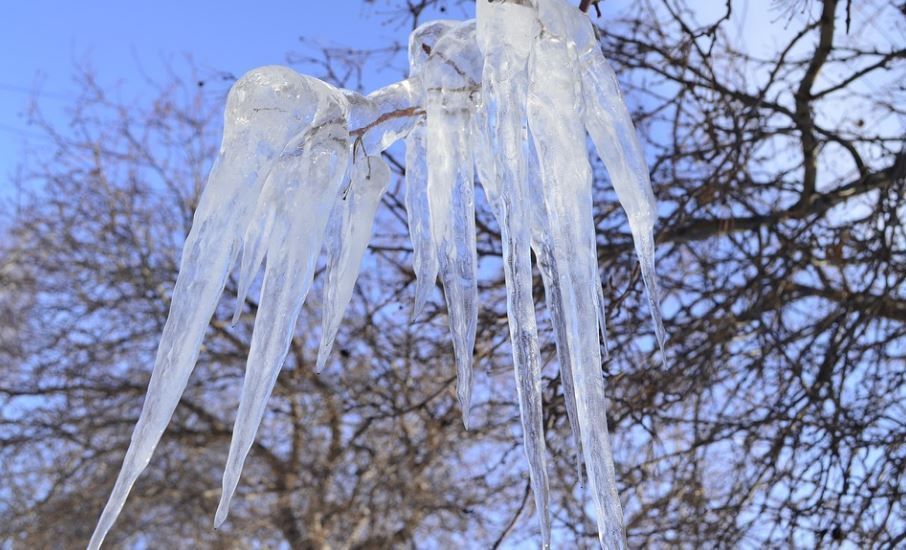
409,111
803,98
818,204
886,306
512,522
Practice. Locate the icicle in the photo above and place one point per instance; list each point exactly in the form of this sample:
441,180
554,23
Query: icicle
254,248
554,103
542,244
452,73
354,216
287,139
505,33
610,126
424,255
264,109
299,193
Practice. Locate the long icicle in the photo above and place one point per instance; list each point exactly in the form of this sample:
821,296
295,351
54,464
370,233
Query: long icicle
451,191
424,254
354,215
260,116
301,189
505,33
543,245
610,126
553,107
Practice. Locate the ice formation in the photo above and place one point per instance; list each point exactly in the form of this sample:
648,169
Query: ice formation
511,98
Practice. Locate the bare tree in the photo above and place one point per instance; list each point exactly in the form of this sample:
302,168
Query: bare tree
782,253
782,181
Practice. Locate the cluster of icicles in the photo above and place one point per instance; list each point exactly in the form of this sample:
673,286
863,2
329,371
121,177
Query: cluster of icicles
508,97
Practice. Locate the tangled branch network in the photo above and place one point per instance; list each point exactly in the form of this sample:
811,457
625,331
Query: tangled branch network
508,96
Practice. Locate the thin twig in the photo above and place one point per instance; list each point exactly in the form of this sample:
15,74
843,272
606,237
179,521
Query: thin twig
515,517
409,111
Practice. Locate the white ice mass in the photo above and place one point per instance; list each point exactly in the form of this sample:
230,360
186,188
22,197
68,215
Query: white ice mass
509,100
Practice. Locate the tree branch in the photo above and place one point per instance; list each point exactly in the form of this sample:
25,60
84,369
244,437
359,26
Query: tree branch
803,97
818,204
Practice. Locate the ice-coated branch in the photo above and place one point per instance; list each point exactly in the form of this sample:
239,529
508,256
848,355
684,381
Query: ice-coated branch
265,109
407,114
511,96
381,118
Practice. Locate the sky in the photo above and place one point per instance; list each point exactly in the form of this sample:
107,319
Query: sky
43,41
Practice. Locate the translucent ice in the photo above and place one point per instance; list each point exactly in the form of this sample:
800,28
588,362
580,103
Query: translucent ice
505,33
511,95
424,255
451,78
543,245
381,118
554,107
353,217
608,122
265,108
298,195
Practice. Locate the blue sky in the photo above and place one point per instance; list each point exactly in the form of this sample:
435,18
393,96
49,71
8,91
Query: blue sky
43,40
122,41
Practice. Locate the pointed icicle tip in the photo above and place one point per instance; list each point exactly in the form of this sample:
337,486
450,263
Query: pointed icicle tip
323,355
422,289
223,510
465,406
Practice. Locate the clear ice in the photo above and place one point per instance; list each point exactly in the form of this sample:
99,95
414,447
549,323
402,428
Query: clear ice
609,124
353,217
505,35
511,97
424,254
451,79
